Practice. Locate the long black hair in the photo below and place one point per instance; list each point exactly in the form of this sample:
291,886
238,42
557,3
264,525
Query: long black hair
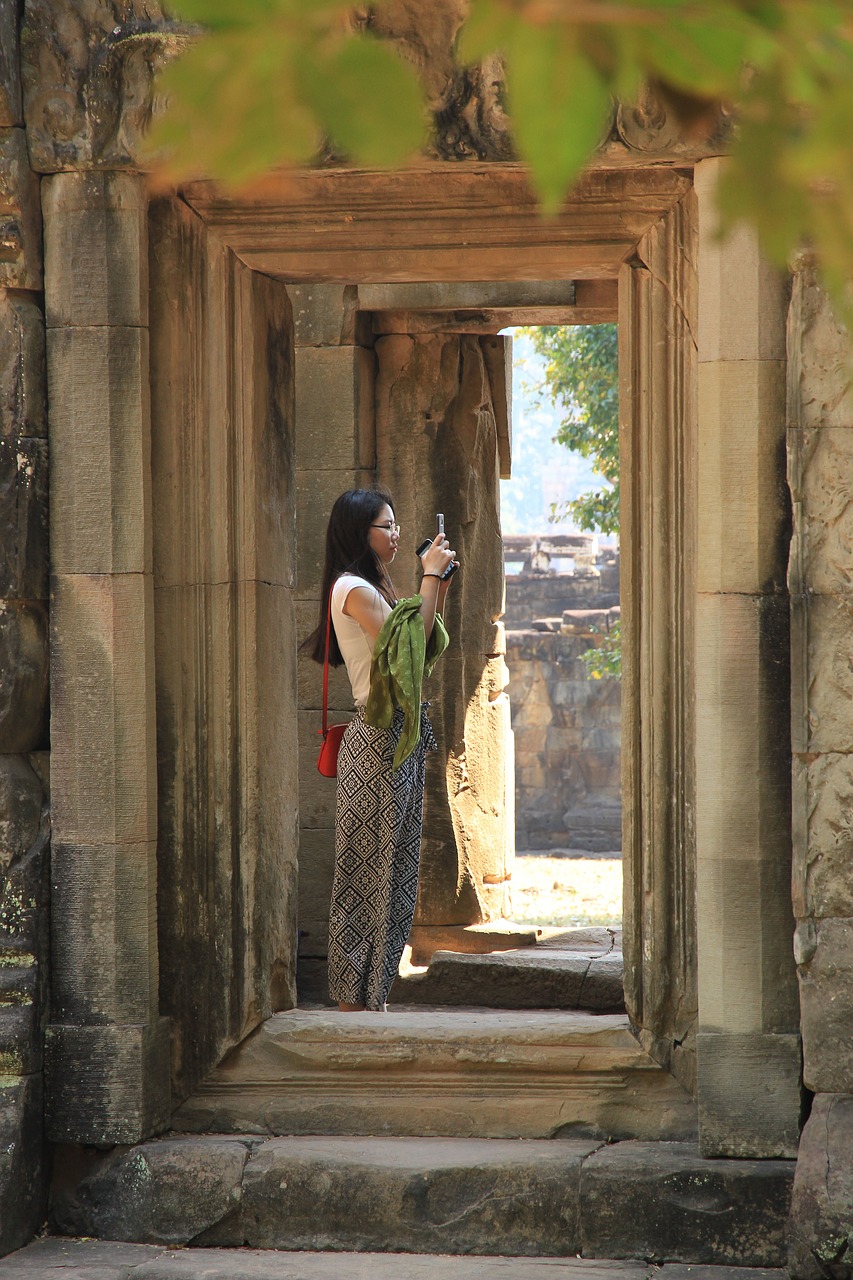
348,550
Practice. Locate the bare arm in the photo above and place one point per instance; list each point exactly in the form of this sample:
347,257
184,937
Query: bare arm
433,591
368,609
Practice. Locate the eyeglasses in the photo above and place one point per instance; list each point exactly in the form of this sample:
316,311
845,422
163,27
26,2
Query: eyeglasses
393,527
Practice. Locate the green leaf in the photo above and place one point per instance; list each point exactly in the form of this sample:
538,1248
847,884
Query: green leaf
559,107
488,29
367,100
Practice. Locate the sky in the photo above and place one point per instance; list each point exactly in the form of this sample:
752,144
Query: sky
542,472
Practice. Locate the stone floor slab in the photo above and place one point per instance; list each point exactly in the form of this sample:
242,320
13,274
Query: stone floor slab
64,1259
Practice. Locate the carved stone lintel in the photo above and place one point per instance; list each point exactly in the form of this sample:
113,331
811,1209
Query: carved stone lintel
88,79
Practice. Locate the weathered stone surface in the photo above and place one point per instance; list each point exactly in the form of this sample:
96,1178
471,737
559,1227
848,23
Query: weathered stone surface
664,1203
825,963
419,1195
821,1223
102,683
327,315
749,1093
10,69
20,215
64,1259
173,1191
23,519
334,407
23,386
820,378
452,1072
21,799
88,79
742,302
822,672
532,979
823,835
567,734
106,1084
96,249
100,446
23,676
316,490
23,1186
820,461
744,529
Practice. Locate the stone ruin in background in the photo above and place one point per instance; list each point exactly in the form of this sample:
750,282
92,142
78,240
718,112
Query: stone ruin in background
566,724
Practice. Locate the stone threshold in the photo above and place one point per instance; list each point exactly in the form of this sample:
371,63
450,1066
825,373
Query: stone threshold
652,1202
442,1072
68,1259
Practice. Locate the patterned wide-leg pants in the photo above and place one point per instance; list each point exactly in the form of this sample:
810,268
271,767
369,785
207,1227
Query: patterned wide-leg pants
378,822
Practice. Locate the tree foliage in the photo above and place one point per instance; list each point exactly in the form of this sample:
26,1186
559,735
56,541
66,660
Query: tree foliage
272,79
581,380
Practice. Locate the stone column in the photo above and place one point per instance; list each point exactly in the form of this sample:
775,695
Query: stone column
820,460
748,1043
24,813
437,450
335,450
107,1047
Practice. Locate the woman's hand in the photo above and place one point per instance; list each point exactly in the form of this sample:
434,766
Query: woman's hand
438,557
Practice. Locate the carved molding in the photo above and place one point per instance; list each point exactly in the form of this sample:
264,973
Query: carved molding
88,77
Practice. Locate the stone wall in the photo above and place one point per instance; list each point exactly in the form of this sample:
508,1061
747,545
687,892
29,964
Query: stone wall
567,726
820,463
24,761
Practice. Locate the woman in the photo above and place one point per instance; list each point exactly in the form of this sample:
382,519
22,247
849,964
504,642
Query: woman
380,786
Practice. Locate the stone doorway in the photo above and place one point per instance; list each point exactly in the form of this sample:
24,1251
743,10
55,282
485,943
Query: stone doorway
224,628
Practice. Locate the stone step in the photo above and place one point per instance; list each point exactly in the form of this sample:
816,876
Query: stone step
442,1072
657,1202
66,1259
570,969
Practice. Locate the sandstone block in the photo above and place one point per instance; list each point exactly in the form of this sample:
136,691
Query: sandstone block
10,73
823,835
20,212
23,1187
820,379
23,676
819,462
103,920
820,1228
23,519
172,1191
822,673
742,299
664,1203
334,407
100,450
742,727
107,1084
96,249
825,959
424,1196
102,710
316,872
326,315
749,1094
742,498
23,384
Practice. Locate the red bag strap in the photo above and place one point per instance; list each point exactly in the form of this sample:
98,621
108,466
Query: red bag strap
326,666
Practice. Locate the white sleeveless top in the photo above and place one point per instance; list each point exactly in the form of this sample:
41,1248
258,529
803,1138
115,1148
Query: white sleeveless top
355,647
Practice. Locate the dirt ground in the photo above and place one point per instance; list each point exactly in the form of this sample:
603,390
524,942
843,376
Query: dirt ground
566,888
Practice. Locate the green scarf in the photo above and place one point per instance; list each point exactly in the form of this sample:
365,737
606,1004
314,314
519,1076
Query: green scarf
401,660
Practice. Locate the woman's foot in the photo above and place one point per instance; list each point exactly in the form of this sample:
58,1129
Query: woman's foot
343,1007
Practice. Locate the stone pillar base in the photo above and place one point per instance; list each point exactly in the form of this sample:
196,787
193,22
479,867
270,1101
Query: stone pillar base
107,1084
749,1094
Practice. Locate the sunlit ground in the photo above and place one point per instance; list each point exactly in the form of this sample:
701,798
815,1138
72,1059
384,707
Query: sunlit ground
566,891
